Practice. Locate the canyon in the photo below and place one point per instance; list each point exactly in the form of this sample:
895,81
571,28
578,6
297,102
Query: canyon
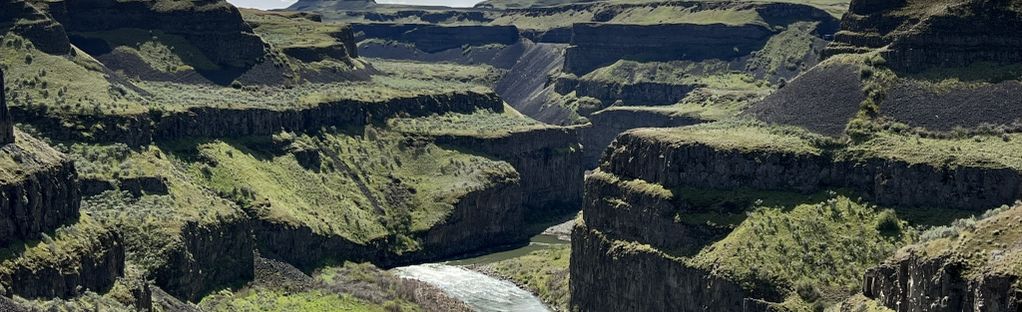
345,155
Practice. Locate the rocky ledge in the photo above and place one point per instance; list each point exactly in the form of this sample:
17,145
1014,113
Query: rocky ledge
607,124
80,257
548,160
143,129
597,45
38,190
889,182
969,267
924,34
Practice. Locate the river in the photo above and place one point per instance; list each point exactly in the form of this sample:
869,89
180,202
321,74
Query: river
480,291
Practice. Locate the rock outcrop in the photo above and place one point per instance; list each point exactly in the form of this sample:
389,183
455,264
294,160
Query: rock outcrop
607,124
916,283
610,275
923,34
436,38
67,265
38,192
641,93
144,129
212,256
24,19
6,124
495,214
597,45
548,160
216,28
882,181
976,269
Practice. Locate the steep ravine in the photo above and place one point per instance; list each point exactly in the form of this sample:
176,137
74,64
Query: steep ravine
494,214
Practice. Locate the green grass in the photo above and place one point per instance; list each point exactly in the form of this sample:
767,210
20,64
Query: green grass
289,30
786,50
65,84
985,151
65,249
813,248
151,225
407,186
986,244
396,80
543,272
740,136
712,73
859,303
349,287
482,123
162,51
274,300
483,75
641,15
26,156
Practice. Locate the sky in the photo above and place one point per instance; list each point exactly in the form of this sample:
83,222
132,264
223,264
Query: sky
279,4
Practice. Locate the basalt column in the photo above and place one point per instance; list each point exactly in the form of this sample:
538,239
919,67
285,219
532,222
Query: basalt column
6,126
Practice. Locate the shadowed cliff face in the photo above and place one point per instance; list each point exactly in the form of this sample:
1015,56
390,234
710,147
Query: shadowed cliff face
596,45
925,34
6,125
214,27
47,35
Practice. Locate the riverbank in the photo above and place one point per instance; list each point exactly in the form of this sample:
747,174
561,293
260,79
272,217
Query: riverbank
497,281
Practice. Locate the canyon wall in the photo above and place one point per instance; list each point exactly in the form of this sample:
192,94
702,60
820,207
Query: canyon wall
436,38
482,218
916,283
144,129
549,161
606,125
24,19
640,93
6,124
932,34
38,197
629,245
527,86
95,267
214,27
212,256
884,182
598,45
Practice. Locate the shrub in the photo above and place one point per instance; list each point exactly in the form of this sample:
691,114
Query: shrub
938,232
887,223
807,291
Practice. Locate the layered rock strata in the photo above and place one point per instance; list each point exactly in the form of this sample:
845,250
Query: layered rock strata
226,122
882,181
606,125
597,45
436,38
918,35
548,160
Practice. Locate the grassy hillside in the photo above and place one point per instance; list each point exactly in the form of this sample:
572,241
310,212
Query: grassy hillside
359,187
818,252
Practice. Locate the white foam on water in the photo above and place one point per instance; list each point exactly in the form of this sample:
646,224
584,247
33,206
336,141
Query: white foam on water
480,291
